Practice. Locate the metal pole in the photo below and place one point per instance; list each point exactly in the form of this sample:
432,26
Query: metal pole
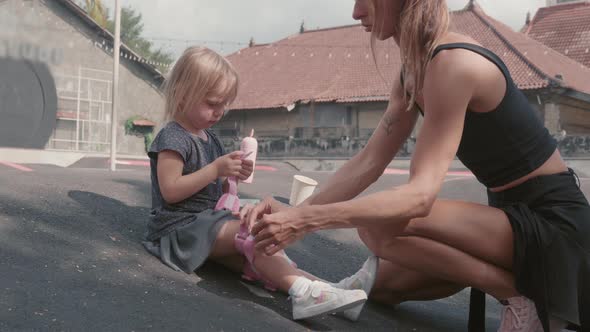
116,51
78,108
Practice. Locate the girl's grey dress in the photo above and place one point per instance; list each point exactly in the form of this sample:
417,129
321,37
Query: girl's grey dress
182,235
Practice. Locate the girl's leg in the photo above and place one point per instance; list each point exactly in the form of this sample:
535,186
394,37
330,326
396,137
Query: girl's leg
309,298
275,268
234,263
224,250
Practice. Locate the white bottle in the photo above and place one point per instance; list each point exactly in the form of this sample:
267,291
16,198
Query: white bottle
250,144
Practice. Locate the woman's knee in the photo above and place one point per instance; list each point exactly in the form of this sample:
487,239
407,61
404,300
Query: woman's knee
420,227
364,235
370,239
378,243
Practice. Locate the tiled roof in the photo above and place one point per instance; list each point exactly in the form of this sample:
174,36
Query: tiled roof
565,28
324,65
532,64
336,64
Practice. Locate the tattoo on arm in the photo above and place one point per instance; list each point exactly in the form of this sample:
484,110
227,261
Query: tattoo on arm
388,121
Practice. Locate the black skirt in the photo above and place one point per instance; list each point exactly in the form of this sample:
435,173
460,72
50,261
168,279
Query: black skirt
550,218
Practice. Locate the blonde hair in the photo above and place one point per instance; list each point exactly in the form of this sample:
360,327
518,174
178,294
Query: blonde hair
197,74
421,25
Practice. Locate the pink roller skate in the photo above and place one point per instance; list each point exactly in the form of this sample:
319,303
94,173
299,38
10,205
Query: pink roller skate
230,200
244,243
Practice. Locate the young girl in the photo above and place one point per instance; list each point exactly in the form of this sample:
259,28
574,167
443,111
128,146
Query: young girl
188,172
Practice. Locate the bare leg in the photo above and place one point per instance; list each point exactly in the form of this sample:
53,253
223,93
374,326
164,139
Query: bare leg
462,243
274,268
434,258
395,284
234,263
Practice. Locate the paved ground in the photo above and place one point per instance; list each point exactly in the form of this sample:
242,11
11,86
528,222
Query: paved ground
71,260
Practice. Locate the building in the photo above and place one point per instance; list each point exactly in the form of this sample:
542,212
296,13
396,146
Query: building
558,2
565,28
74,56
320,93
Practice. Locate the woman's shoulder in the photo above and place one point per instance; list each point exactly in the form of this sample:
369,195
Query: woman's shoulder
455,47
456,38
463,54
451,65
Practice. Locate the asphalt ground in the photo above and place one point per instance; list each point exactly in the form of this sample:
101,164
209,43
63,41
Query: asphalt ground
71,260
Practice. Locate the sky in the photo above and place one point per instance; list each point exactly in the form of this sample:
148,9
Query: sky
228,25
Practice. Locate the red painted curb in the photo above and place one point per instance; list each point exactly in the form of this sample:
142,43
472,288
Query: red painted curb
17,166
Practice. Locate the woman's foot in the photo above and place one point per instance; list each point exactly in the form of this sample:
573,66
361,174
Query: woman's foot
520,315
312,298
364,279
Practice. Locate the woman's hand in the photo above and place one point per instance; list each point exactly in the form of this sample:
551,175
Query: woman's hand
275,231
249,214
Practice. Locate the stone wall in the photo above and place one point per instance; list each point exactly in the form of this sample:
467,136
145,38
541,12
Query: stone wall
76,54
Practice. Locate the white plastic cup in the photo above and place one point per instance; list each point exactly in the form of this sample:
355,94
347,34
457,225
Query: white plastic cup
301,189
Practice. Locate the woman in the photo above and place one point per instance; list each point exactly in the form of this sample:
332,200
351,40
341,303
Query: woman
528,249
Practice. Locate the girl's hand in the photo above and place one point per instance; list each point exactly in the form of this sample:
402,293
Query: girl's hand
247,169
229,164
275,231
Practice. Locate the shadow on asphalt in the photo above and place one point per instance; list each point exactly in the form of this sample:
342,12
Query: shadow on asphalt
214,278
83,265
75,259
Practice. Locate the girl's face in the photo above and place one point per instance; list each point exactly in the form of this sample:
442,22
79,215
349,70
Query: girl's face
205,114
387,17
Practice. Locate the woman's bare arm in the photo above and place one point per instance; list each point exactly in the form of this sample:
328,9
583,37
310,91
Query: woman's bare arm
368,165
448,89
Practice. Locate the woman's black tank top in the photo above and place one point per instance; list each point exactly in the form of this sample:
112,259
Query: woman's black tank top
508,142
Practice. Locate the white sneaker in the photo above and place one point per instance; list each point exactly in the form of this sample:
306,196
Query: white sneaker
520,315
321,298
364,279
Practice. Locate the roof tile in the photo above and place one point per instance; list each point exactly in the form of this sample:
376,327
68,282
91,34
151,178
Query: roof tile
565,28
337,64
